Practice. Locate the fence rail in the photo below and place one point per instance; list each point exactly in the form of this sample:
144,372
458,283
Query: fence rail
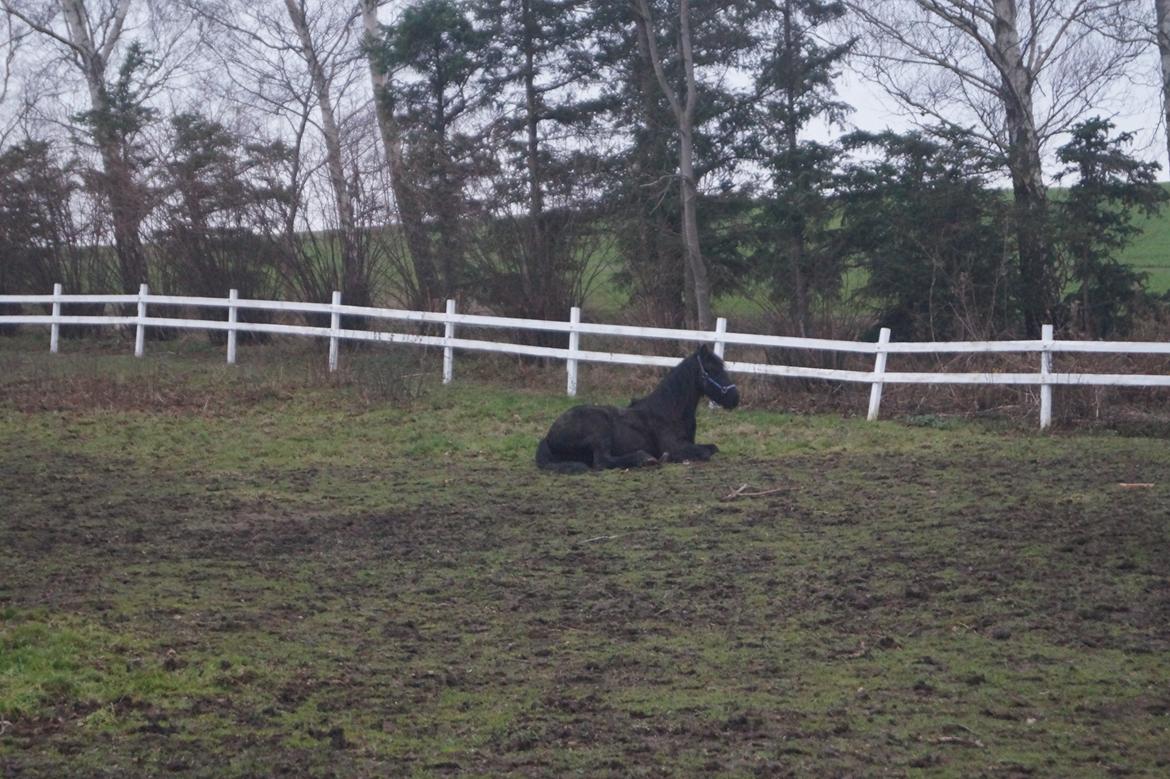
1045,347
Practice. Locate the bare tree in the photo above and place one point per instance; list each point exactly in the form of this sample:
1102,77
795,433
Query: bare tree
89,33
297,64
11,37
1013,73
683,108
355,282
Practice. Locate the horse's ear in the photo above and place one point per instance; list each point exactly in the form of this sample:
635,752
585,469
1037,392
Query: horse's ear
703,350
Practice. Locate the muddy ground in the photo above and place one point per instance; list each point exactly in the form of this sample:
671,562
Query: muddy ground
307,583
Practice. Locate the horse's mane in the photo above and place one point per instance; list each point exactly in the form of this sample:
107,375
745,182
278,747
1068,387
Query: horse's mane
677,385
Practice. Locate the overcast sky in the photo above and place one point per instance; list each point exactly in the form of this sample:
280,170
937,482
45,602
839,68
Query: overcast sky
1137,108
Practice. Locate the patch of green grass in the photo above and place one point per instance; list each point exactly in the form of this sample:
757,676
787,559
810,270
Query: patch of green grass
212,580
47,662
1150,250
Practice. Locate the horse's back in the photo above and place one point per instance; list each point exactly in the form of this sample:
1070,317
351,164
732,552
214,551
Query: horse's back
619,431
578,424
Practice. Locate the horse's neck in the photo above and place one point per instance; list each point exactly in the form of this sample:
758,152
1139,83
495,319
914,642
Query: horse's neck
676,392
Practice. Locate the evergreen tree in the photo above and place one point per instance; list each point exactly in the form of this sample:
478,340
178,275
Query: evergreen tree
44,236
543,196
115,125
932,237
213,210
646,215
38,237
433,56
794,79
1095,221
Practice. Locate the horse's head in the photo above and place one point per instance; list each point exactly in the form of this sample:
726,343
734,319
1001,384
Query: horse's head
713,379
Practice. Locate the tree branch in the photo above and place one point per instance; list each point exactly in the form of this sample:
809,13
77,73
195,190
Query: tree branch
646,25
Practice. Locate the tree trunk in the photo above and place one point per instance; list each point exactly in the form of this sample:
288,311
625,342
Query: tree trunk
118,179
410,215
1031,202
445,198
1162,9
800,282
121,193
355,285
684,113
659,283
126,212
700,287
538,254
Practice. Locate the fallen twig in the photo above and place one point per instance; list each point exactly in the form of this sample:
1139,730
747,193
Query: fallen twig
975,739
738,492
1135,485
961,726
603,538
956,740
619,535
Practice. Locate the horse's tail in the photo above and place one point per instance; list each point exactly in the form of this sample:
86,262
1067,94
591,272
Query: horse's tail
547,461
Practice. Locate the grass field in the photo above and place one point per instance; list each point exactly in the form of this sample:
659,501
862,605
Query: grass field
1150,251
263,571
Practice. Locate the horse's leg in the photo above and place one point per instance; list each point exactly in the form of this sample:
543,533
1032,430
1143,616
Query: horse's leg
636,459
603,456
681,450
634,446
602,444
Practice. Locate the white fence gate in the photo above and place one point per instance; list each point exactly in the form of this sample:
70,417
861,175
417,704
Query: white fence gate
1044,348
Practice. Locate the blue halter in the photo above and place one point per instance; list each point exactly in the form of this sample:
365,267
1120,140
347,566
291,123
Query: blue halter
723,389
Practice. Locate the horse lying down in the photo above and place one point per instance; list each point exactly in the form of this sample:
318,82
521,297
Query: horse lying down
653,429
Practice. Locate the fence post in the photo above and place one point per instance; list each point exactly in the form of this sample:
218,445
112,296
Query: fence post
55,329
1045,370
720,346
879,370
720,331
334,327
140,334
448,350
233,296
574,347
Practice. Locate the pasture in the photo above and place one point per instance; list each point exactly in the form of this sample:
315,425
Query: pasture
1148,252
265,571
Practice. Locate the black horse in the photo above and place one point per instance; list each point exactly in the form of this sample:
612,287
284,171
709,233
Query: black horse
656,428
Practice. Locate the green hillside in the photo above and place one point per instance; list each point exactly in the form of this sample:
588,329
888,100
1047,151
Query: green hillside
1150,251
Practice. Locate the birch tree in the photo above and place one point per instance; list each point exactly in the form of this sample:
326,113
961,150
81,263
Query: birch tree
11,38
300,62
355,281
1013,73
88,34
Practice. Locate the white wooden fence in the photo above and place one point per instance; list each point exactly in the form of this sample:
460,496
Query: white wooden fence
1044,348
